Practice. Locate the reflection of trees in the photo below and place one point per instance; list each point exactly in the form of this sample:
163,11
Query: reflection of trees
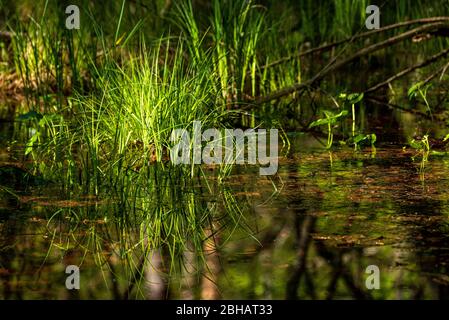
22,274
304,227
339,270
163,243
428,236
159,248
300,280
423,232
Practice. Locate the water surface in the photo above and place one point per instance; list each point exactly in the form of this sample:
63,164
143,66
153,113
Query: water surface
309,232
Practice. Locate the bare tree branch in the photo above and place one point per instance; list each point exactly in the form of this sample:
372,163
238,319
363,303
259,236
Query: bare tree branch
410,69
334,65
355,37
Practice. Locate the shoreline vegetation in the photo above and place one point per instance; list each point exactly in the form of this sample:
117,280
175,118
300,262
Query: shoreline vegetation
112,95
93,110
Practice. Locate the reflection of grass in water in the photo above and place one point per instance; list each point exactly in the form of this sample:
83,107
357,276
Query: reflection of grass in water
167,214
117,147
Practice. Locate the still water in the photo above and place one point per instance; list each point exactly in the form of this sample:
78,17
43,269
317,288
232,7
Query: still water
309,232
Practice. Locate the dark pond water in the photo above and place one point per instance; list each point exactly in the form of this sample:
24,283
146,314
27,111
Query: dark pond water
310,232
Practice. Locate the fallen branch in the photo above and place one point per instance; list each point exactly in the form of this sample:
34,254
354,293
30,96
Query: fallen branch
394,106
355,37
410,69
334,65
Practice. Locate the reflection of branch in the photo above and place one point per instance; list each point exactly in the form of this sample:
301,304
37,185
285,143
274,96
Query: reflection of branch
269,238
336,273
356,291
154,281
188,272
346,275
149,267
303,234
309,284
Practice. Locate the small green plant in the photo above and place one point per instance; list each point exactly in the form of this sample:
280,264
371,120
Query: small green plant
362,139
352,99
420,89
421,145
330,120
423,148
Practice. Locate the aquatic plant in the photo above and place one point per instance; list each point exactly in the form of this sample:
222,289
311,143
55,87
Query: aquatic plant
330,121
422,146
421,88
352,99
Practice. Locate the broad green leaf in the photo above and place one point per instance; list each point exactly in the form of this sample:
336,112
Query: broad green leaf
330,118
360,137
352,98
319,122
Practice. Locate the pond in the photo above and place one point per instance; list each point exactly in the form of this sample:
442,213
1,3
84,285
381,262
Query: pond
311,232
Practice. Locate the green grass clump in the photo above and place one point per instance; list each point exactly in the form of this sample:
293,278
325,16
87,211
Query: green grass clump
128,122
